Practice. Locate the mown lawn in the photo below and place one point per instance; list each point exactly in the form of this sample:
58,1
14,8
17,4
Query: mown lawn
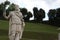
32,31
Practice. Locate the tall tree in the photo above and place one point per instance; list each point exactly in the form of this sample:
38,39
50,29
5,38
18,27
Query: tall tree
41,14
58,13
35,12
10,8
24,11
58,16
29,15
2,7
52,15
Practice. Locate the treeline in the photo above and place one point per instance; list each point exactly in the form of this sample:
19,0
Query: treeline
27,15
53,14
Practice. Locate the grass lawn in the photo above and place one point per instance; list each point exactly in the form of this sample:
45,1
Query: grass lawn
32,31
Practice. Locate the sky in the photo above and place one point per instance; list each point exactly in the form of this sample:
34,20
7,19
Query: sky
44,4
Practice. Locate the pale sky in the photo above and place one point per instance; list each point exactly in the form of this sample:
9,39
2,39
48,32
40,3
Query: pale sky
29,4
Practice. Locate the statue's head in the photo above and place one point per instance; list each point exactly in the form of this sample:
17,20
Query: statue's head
17,7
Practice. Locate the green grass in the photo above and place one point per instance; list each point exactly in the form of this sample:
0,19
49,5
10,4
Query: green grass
32,31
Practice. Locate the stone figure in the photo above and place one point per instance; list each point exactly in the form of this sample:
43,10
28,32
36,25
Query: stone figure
16,23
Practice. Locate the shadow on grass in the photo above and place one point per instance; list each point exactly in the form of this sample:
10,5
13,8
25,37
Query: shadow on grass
3,32
39,36
33,35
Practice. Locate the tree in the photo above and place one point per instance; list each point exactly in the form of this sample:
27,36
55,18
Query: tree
52,15
58,16
41,14
2,8
10,8
24,11
29,15
35,12
58,13
5,4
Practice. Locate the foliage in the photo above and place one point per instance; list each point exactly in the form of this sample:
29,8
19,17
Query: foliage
6,2
35,11
38,14
11,7
27,15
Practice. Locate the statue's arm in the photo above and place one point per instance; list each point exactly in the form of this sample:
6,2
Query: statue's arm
4,14
22,20
21,17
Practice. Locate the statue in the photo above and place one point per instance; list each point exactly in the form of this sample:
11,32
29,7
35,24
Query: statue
16,23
